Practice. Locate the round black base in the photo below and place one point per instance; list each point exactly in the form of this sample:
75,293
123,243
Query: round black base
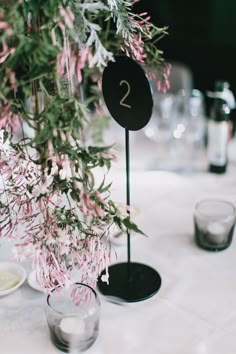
130,282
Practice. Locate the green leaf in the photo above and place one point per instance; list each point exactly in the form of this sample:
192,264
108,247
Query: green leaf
5,136
43,135
75,196
104,189
132,226
117,221
98,149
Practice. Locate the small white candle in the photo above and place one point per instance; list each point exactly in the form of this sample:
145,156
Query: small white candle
72,329
216,232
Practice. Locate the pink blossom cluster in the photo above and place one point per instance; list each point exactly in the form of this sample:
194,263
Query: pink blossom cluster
163,83
4,25
67,16
5,51
70,63
135,48
34,217
134,44
161,77
8,118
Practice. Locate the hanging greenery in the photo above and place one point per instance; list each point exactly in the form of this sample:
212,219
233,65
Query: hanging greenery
50,204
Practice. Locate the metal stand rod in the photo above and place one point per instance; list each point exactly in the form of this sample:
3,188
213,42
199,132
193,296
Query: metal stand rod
127,188
130,281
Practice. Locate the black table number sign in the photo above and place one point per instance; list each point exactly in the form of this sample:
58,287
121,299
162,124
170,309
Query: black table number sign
127,93
128,97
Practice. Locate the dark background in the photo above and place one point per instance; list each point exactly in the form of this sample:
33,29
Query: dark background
202,35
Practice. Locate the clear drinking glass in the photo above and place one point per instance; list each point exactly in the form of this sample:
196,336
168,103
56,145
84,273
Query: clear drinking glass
189,126
214,222
159,130
73,316
160,127
178,127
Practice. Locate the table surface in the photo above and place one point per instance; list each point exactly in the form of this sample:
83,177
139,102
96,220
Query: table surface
194,312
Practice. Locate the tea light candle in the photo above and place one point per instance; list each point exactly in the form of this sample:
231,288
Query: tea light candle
216,232
72,329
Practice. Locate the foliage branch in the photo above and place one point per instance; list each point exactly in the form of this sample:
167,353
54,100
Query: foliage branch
51,206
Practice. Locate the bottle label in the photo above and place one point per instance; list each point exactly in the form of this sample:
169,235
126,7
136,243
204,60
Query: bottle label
217,142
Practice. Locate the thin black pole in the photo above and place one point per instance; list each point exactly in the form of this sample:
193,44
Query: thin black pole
127,187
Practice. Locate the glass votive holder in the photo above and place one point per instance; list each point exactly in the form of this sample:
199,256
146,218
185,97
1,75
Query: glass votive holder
73,316
214,222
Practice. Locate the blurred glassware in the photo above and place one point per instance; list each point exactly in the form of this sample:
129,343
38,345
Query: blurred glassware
160,127
181,77
178,126
189,127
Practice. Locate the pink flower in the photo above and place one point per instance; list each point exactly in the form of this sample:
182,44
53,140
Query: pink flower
6,27
163,83
66,62
9,118
2,163
135,48
5,52
12,79
90,207
81,60
67,16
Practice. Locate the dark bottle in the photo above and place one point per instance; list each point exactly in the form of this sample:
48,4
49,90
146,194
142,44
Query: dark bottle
218,130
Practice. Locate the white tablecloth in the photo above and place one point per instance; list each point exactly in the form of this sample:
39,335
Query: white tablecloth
194,311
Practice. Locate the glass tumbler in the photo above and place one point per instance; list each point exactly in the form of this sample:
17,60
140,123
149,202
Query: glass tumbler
214,222
73,316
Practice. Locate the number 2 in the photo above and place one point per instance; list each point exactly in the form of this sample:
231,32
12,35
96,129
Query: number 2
122,103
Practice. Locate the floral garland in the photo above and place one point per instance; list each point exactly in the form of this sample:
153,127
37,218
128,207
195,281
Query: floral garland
50,205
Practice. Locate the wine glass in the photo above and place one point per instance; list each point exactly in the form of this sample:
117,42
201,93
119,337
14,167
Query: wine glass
159,128
188,129
73,316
